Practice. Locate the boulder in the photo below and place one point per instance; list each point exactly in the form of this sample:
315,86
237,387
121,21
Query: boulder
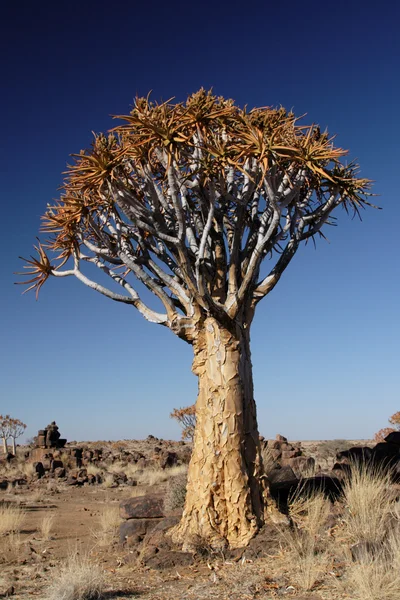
133,531
144,507
280,438
39,469
300,464
281,474
393,438
355,454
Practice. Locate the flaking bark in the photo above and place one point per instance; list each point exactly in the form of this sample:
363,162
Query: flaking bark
224,502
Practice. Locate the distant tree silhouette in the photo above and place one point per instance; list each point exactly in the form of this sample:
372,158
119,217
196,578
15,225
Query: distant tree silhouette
5,431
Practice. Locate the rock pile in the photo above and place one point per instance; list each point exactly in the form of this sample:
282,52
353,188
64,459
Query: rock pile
284,454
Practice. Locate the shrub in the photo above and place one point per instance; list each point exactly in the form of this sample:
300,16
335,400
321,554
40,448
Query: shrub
176,492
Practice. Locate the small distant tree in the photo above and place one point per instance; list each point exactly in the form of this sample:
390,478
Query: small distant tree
16,428
393,420
5,431
186,418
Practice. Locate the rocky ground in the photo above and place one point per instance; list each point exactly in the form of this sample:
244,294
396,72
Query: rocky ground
74,515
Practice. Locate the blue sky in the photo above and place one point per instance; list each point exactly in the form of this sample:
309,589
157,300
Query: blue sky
326,342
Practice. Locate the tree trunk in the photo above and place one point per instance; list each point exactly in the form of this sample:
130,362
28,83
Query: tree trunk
5,447
225,496
14,450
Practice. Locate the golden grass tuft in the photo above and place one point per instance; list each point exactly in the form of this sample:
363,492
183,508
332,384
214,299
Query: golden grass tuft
306,543
78,579
109,521
369,504
11,519
46,526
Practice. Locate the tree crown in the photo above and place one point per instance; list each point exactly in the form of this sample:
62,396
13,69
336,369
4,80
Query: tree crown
189,199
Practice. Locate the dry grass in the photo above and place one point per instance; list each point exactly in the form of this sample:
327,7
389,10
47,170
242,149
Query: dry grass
109,522
156,476
10,548
376,576
369,504
108,481
78,579
46,526
94,470
11,519
306,543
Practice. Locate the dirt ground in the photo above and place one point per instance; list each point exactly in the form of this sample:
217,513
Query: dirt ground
77,512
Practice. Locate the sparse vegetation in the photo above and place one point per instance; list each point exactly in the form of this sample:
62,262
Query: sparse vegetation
79,579
11,518
46,527
108,523
176,492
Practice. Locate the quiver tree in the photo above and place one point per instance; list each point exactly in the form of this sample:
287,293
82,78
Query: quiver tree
205,204
5,431
186,418
17,428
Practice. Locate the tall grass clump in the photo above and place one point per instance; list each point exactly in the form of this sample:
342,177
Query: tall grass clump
46,527
11,519
376,575
108,523
306,541
78,579
369,503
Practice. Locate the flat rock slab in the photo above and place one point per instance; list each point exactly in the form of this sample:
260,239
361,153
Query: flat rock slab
136,529
144,507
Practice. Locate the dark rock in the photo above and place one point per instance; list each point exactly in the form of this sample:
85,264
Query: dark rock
385,453
300,464
134,530
290,453
355,454
39,469
56,464
281,474
168,559
393,438
282,491
168,459
144,507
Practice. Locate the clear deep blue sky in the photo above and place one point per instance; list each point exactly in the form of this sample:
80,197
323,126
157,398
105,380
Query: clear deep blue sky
326,341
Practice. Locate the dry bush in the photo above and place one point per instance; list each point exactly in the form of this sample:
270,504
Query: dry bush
11,519
78,579
109,521
307,541
369,504
176,492
46,526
